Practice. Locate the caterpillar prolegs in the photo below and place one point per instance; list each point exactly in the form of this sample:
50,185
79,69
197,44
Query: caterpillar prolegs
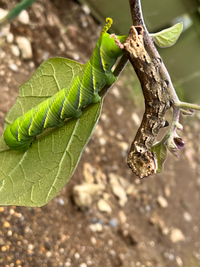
68,102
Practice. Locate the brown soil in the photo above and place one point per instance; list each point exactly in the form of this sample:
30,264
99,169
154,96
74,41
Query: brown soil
59,234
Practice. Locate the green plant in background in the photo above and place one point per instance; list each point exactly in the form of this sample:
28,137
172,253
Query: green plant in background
16,11
34,177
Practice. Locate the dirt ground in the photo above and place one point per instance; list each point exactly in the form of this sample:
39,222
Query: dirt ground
155,223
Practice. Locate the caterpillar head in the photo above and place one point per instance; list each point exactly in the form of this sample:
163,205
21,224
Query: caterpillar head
142,164
108,45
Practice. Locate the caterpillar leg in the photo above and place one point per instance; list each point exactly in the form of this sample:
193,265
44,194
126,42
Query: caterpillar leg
77,114
96,98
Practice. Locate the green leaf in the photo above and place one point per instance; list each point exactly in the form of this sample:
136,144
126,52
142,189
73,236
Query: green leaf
161,154
34,177
168,37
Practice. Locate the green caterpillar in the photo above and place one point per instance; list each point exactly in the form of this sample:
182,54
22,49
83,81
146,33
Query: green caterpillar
68,102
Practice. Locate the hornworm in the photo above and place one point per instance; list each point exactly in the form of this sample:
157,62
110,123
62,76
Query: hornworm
69,102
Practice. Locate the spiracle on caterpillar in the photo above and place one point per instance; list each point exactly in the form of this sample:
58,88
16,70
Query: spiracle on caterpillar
140,159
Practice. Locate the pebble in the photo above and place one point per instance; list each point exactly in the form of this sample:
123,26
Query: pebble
83,265
15,50
124,148
162,202
102,141
100,177
3,13
10,37
13,67
61,46
9,233
83,194
76,255
93,240
25,47
117,189
104,206
113,222
88,172
48,254
119,111
187,217
179,261
86,9
96,227
167,191
176,235
136,119
115,92
61,202
122,217
24,17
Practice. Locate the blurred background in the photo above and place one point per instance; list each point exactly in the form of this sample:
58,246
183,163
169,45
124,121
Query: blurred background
105,215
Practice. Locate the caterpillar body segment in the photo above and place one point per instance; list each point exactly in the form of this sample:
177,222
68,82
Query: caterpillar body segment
68,102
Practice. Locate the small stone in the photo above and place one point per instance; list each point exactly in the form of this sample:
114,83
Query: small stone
83,265
113,222
117,189
115,92
15,50
88,171
122,216
119,136
124,148
176,235
162,202
13,67
76,255
165,231
119,111
61,46
31,64
82,200
1,241
25,47
93,240
6,224
106,196
167,191
48,254
3,13
179,261
86,9
100,177
10,37
136,119
24,17
61,201
187,216
83,194
9,233
102,141
104,118
104,206
96,227
75,56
